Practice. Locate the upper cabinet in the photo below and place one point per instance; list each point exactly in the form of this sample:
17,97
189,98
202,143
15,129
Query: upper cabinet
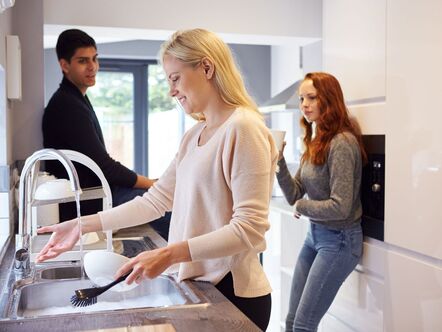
354,47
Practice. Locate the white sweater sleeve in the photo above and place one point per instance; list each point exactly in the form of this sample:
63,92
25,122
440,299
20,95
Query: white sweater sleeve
249,162
152,205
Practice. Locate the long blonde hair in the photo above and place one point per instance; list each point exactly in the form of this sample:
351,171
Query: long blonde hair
192,46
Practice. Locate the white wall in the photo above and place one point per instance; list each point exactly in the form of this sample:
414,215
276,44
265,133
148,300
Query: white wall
5,134
27,23
260,17
5,110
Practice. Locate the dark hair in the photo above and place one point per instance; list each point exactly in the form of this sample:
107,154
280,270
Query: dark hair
333,119
70,40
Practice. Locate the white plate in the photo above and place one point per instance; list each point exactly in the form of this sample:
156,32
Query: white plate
101,266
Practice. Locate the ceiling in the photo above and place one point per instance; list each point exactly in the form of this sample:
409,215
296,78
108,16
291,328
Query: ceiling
111,34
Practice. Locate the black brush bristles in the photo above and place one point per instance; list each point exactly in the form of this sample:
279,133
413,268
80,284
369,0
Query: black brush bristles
88,296
84,302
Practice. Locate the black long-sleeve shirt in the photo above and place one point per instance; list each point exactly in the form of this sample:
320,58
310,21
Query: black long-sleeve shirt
70,122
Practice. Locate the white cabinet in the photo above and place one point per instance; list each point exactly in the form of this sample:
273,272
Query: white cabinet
354,51
359,304
354,47
413,176
413,298
330,323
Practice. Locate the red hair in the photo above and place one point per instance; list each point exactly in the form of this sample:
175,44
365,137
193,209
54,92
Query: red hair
333,119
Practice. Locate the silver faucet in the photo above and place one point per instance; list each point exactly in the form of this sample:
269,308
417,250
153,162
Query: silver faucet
28,181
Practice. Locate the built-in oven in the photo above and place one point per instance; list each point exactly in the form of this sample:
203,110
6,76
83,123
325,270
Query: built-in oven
373,187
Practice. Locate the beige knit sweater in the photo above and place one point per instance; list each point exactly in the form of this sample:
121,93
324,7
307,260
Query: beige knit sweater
219,195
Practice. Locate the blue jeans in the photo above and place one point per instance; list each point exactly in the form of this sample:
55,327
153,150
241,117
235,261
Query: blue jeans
122,195
327,257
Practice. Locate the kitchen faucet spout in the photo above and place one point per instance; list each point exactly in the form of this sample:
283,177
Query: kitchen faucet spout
27,185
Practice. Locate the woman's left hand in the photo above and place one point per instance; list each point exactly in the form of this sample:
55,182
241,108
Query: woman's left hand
281,152
150,264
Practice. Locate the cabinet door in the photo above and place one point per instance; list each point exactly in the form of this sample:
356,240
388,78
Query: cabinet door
413,301
330,323
293,232
359,303
354,46
413,175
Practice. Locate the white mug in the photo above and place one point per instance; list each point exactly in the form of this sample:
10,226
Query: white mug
278,136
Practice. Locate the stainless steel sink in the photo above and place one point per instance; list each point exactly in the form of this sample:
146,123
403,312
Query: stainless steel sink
67,272
48,293
51,298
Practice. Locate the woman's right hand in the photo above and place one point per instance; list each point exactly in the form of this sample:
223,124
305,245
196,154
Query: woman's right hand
64,237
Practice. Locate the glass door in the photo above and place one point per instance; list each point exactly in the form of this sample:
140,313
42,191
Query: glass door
113,100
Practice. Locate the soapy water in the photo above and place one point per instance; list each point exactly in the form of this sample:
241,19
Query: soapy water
153,300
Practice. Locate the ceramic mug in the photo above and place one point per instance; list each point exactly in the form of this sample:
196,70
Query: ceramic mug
278,137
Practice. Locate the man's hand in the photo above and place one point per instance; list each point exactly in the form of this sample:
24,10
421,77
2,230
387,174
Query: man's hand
144,182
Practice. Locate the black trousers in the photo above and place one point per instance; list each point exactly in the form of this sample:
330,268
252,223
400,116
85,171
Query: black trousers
257,309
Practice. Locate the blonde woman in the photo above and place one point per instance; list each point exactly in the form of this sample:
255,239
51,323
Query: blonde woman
218,186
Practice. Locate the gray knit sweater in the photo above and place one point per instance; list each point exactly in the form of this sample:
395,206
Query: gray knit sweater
333,189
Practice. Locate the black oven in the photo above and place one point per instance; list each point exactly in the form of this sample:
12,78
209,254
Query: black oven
373,187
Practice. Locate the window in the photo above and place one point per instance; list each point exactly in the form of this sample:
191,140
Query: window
142,126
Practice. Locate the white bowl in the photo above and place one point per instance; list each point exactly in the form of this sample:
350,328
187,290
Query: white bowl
101,266
54,189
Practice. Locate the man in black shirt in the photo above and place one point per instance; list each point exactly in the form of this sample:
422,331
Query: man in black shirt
70,122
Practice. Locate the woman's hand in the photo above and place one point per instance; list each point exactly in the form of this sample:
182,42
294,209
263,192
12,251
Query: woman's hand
150,264
65,235
281,152
296,214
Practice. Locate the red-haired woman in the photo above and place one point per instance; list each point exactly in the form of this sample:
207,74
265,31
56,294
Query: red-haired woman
330,175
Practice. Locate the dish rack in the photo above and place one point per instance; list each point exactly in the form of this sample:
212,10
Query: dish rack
101,241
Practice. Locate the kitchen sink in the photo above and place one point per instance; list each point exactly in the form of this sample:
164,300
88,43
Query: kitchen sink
48,293
67,272
52,298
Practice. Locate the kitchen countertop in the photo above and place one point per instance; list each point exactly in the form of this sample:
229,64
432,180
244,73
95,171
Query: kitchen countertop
218,314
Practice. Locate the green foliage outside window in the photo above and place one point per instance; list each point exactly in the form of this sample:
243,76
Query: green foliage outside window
114,92
159,99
